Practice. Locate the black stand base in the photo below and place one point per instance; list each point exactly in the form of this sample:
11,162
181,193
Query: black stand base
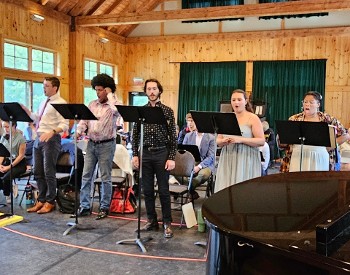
136,241
3,216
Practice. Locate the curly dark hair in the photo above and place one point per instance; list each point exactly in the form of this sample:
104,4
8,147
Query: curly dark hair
103,80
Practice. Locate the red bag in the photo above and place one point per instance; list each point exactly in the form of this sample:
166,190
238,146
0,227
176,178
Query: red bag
119,205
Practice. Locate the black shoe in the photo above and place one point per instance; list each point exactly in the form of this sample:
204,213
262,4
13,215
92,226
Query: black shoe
150,225
103,213
168,233
82,212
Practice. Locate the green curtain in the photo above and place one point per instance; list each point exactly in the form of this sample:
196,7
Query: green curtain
203,85
282,85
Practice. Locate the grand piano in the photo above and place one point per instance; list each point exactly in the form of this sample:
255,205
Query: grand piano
289,223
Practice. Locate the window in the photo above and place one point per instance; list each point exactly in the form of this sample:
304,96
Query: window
16,57
25,92
43,62
89,95
91,69
28,58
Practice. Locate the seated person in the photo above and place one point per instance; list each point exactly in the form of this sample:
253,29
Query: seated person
269,138
30,132
185,130
19,165
205,143
265,158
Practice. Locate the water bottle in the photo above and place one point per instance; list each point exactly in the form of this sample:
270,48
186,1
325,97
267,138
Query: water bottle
200,221
29,194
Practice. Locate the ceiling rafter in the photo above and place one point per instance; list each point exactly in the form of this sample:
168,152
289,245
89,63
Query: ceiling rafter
97,5
249,10
125,30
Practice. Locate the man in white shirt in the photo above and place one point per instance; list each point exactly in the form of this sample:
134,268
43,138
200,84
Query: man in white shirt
47,145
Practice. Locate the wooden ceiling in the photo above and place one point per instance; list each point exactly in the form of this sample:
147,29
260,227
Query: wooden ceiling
121,17
96,8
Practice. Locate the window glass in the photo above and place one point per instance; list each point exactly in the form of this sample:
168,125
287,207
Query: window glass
89,95
16,91
90,69
107,69
15,56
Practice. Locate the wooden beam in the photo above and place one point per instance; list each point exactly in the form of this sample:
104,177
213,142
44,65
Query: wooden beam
39,9
249,35
249,10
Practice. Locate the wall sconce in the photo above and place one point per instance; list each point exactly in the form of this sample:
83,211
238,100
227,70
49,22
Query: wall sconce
37,17
104,40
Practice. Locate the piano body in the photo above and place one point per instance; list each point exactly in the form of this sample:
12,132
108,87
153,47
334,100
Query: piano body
289,223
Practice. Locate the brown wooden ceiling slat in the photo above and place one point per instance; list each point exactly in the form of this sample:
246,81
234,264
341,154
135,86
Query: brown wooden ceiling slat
66,6
146,6
95,7
82,8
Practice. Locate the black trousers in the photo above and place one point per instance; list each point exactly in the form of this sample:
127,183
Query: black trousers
153,163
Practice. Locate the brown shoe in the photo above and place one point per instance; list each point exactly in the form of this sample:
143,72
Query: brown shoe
36,207
168,233
48,207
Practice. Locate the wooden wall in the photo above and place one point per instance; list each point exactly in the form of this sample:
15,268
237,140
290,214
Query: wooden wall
160,57
72,48
15,24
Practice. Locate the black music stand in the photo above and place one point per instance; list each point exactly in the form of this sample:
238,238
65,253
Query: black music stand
215,123
76,112
142,115
305,133
193,149
12,111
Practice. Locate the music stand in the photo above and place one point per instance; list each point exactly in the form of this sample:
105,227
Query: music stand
142,115
215,123
305,133
76,112
193,149
12,111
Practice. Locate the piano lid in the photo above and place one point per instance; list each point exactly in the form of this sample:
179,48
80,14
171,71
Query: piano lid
288,202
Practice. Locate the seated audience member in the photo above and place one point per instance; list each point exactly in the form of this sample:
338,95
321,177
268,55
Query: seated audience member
265,158
30,131
269,138
185,130
17,154
206,146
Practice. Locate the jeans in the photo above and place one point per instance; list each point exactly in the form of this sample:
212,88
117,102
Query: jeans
154,163
102,154
45,160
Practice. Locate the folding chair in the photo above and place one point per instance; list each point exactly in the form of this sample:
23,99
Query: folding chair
184,164
65,168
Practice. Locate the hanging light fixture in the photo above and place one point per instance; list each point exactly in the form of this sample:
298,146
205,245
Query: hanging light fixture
104,40
37,17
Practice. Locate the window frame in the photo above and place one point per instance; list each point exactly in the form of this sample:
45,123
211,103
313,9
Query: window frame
30,49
